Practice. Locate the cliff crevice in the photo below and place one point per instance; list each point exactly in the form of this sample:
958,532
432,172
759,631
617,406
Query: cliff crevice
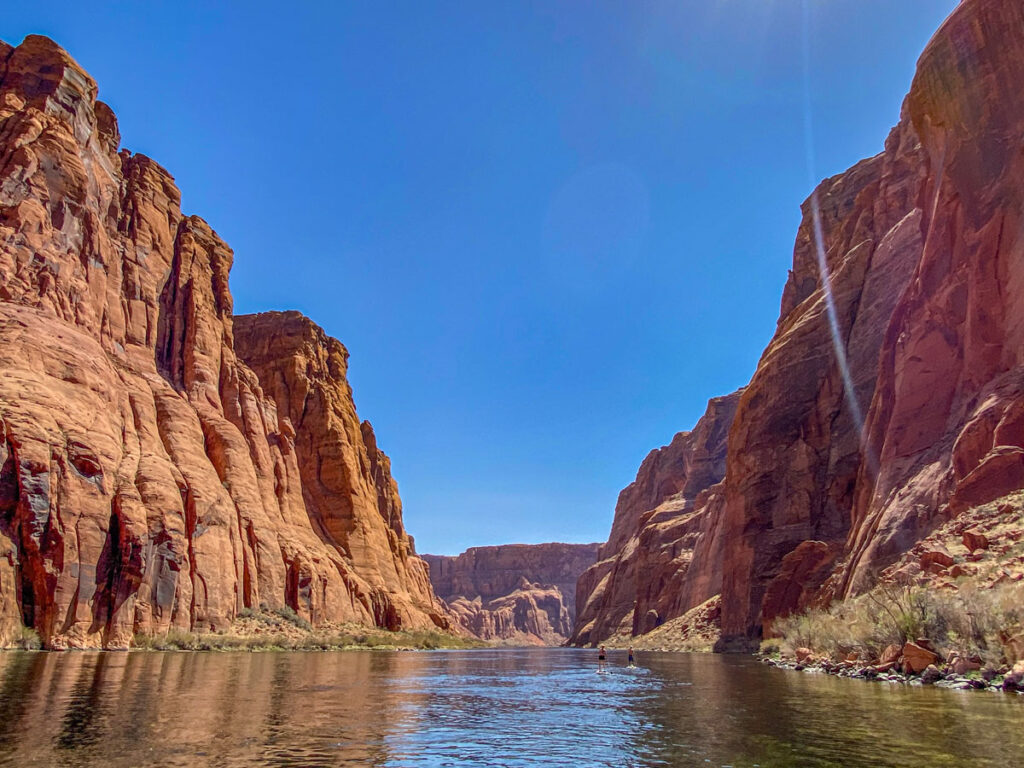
151,480
889,400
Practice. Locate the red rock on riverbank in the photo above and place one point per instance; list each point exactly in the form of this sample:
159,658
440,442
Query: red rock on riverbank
149,478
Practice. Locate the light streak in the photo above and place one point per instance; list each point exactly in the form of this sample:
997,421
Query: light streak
838,343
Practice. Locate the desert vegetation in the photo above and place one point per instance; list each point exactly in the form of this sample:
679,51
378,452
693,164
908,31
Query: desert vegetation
275,629
986,623
968,637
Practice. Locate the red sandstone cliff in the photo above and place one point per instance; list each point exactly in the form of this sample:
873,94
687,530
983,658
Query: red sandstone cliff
524,593
147,479
795,451
663,526
830,477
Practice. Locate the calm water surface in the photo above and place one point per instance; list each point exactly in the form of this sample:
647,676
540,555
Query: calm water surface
480,708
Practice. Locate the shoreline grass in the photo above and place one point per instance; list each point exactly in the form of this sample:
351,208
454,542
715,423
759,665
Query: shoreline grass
278,630
985,624
282,629
383,640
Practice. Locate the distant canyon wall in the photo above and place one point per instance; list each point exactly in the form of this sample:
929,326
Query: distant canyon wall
164,464
523,593
871,422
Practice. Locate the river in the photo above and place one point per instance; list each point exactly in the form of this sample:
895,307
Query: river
537,707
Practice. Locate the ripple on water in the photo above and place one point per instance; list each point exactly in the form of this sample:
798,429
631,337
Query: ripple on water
502,712
536,707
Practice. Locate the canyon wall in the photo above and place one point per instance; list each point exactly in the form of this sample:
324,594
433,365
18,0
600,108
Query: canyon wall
149,478
524,593
662,519
890,397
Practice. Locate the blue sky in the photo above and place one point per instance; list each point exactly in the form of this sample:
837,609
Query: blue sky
547,232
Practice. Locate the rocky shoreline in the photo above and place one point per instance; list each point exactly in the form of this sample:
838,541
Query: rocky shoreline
958,673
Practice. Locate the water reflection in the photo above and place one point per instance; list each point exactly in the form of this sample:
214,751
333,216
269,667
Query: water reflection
495,708
743,714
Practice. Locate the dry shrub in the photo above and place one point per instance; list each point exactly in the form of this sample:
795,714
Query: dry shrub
983,622
974,621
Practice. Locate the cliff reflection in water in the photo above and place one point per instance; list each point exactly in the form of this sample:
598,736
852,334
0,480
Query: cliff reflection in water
524,707
196,708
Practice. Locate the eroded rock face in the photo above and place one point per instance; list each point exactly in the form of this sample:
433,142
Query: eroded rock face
348,493
947,421
146,480
523,593
796,449
666,523
890,399
532,614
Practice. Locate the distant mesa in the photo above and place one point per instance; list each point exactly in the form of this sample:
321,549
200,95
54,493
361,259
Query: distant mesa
515,594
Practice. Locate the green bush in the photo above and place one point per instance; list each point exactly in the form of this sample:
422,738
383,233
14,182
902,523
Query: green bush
312,640
288,614
29,640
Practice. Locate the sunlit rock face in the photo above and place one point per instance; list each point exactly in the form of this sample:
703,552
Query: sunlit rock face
666,523
147,481
833,474
517,593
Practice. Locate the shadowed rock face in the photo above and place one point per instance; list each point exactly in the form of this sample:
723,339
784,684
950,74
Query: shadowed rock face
147,481
514,592
795,452
830,479
947,420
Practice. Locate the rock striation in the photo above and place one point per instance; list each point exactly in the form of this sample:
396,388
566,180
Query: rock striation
516,593
149,477
889,400
664,520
